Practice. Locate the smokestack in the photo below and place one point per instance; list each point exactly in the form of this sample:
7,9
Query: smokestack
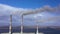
22,24
37,31
10,27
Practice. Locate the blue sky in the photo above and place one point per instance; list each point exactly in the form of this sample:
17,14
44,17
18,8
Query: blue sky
30,3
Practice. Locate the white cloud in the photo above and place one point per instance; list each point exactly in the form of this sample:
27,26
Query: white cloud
6,9
9,9
47,19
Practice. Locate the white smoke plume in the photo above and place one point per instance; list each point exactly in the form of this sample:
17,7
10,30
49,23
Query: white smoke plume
42,9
